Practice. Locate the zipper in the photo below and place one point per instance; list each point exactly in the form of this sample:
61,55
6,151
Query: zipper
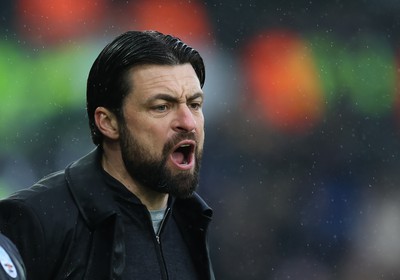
161,225
158,239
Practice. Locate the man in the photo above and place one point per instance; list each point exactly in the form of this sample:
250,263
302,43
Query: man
129,209
10,261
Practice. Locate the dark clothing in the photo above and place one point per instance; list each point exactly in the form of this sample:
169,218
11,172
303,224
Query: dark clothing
11,263
168,246
69,226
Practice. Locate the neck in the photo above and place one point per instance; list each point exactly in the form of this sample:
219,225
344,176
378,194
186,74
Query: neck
113,164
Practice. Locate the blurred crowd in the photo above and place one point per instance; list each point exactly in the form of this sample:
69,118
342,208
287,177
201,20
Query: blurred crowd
302,124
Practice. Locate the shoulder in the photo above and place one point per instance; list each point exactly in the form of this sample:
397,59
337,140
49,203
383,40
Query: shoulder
38,220
50,192
44,205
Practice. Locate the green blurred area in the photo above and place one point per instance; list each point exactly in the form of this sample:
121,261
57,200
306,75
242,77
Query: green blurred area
364,70
35,86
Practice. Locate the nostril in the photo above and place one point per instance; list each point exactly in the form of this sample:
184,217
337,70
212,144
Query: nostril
185,125
185,129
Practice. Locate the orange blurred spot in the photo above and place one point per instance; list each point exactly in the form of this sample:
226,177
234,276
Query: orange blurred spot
282,75
185,19
50,21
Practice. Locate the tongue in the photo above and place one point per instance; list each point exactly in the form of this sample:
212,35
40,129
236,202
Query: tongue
178,157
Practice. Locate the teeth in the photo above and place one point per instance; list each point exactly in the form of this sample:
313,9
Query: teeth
185,145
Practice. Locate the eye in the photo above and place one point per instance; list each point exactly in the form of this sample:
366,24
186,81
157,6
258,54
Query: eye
160,108
195,105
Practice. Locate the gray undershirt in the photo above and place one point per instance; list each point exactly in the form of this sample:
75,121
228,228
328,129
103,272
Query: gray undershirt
156,217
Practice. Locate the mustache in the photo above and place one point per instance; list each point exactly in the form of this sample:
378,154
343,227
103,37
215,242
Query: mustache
174,140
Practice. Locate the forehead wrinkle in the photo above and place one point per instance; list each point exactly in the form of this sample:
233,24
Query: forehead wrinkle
171,85
149,79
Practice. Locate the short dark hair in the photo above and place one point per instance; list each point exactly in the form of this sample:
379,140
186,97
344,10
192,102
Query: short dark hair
108,84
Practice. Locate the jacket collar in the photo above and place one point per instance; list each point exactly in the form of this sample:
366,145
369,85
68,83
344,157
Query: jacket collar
195,211
92,195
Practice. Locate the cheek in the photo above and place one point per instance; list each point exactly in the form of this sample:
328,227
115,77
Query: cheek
155,139
146,135
200,122
201,137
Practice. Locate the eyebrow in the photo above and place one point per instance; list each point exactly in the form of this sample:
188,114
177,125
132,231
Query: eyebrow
170,98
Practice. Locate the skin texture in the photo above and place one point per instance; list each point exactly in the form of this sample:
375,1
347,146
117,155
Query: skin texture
162,111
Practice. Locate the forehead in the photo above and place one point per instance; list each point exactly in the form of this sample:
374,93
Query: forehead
173,79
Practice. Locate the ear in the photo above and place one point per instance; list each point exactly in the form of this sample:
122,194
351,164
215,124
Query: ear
107,123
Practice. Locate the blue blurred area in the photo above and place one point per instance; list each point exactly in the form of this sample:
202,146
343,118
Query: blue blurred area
320,204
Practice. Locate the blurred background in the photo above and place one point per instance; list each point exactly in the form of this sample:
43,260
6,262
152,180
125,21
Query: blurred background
302,109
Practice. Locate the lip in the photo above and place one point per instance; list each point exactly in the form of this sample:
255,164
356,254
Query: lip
189,157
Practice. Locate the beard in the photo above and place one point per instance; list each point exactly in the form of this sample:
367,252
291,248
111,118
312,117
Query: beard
153,173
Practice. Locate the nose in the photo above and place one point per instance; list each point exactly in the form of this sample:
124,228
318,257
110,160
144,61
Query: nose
185,120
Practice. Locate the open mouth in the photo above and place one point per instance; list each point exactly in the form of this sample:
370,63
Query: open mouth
183,155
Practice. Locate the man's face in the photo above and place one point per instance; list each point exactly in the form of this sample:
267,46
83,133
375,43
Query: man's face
162,135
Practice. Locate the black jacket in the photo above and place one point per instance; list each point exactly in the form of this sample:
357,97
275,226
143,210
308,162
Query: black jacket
67,226
11,263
